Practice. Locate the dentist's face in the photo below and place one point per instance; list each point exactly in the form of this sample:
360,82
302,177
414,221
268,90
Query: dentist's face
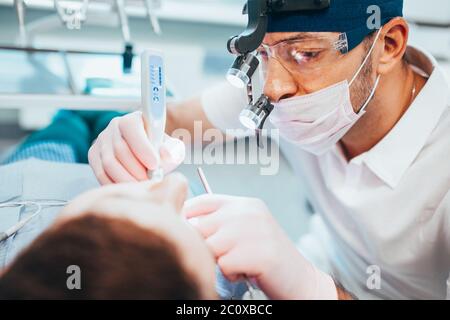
284,80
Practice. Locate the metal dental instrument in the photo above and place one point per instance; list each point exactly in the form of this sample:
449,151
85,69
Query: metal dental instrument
253,293
39,204
151,6
205,183
154,101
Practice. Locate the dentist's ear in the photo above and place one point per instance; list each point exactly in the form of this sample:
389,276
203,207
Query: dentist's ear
394,37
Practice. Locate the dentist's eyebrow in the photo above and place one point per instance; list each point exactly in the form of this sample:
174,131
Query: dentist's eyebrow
319,36
299,36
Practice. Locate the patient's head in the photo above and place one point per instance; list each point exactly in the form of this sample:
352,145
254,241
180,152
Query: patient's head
128,242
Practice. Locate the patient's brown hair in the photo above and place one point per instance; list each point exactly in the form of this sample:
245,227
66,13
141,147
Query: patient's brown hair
117,258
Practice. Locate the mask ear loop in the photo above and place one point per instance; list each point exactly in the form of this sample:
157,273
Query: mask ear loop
363,108
366,59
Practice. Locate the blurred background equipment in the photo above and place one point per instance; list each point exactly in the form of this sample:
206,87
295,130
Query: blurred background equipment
72,13
79,53
64,66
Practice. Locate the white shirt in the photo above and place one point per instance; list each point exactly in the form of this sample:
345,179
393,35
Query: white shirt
389,207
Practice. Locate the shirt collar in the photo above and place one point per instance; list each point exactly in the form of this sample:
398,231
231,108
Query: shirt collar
395,153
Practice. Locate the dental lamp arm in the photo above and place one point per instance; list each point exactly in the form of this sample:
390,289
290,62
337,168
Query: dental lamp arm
20,10
151,6
123,18
128,54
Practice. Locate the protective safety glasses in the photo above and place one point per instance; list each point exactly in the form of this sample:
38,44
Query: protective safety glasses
303,55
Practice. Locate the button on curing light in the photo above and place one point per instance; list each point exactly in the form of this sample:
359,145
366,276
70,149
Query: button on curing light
242,70
255,114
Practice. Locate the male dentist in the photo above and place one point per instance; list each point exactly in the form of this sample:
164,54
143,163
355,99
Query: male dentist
367,120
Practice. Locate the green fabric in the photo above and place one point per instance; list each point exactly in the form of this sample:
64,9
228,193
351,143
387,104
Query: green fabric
66,127
75,128
97,121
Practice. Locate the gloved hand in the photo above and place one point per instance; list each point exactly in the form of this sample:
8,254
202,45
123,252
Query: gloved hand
246,240
123,152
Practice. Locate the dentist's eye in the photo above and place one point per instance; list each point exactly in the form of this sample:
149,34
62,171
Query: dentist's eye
263,54
305,56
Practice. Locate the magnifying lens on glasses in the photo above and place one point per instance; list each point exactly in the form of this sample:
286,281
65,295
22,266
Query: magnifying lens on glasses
255,114
242,70
244,45
240,76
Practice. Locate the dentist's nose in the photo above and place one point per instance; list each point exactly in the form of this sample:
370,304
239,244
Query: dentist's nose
279,82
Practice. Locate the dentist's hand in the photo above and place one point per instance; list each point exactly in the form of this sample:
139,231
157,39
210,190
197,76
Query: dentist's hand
246,240
123,152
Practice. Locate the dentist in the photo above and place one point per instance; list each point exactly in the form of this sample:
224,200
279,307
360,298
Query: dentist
366,121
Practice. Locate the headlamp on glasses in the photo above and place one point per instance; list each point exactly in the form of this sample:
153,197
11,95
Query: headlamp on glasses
244,45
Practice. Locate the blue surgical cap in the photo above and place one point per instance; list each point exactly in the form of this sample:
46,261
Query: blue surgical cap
354,17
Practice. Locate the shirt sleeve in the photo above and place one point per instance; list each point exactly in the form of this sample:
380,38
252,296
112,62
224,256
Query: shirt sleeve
445,206
222,105
447,226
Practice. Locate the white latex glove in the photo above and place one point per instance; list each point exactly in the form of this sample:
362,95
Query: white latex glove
246,240
123,152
